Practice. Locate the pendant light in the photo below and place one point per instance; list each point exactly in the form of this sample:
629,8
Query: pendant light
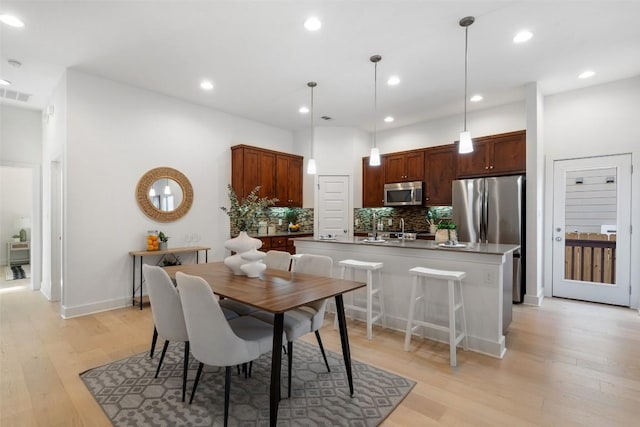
374,156
167,189
152,192
311,166
465,145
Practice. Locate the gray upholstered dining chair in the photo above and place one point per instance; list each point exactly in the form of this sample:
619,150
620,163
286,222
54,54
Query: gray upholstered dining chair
167,314
215,341
277,260
308,318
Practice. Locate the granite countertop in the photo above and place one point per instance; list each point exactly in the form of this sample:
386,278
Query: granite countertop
282,234
482,248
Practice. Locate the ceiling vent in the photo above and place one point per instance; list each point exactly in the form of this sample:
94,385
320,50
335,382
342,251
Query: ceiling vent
326,118
14,95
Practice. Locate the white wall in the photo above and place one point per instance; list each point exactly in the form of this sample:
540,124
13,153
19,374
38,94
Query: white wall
594,121
115,133
20,159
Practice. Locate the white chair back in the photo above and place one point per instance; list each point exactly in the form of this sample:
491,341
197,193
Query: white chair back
318,265
165,304
212,340
278,260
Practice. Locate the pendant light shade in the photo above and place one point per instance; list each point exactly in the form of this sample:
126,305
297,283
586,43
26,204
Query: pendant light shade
311,165
465,145
152,192
374,156
167,189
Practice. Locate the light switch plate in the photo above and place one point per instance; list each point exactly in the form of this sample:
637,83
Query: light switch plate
390,222
357,222
279,221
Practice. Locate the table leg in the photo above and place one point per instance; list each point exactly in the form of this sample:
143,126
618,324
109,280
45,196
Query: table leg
344,339
133,282
141,282
206,255
197,257
276,360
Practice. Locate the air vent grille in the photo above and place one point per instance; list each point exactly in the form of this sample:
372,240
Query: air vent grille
14,95
326,118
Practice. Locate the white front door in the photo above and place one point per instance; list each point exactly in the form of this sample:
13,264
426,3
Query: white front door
333,205
592,229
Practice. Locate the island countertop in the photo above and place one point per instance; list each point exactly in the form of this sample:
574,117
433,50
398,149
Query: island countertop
479,248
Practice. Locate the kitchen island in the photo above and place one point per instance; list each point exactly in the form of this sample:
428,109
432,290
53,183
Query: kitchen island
487,288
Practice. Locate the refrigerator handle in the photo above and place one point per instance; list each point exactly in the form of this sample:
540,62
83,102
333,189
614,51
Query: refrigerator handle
485,216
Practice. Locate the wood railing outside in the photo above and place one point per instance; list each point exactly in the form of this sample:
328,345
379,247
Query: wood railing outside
590,257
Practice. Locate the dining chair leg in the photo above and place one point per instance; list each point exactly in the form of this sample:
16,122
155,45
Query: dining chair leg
153,341
195,383
290,360
164,351
322,350
250,366
227,390
185,369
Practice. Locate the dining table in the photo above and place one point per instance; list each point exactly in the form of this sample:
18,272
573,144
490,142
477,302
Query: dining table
277,291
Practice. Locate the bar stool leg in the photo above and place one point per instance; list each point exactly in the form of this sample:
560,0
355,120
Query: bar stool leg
369,304
412,308
465,342
452,323
381,300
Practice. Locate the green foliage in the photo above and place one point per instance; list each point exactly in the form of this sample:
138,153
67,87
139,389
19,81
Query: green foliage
291,215
446,225
244,213
163,237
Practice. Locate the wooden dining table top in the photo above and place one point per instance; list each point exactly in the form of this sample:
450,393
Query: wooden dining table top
275,291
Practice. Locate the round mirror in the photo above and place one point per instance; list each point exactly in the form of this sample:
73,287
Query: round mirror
164,194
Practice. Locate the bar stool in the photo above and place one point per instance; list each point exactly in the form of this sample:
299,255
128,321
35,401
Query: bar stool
294,259
369,267
453,278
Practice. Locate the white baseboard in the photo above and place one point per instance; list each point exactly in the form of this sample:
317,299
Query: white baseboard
533,299
83,310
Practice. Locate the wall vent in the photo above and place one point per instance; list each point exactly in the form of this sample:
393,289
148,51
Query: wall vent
14,95
326,118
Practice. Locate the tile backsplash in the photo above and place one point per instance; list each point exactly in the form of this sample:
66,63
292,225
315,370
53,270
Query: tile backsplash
415,217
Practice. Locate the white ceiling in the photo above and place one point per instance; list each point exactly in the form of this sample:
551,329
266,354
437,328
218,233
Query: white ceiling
260,57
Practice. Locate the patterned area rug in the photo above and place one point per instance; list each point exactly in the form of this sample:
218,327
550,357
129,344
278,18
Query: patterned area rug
17,272
131,396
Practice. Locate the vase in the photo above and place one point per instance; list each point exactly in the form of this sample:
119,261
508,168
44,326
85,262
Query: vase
241,244
164,246
433,229
254,266
444,234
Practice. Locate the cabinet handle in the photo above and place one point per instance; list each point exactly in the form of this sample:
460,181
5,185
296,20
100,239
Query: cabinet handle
486,167
426,198
491,167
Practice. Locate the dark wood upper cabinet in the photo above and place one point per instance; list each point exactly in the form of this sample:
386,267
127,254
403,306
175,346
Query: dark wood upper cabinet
501,154
440,171
278,174
372,184
406,166
289,180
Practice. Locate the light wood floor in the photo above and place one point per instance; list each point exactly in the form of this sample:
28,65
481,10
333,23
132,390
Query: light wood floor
568,363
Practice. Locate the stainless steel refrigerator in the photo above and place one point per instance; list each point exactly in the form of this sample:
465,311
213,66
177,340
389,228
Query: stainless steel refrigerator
491,210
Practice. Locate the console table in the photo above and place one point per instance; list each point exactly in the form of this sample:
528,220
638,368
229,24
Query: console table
163,255
18,248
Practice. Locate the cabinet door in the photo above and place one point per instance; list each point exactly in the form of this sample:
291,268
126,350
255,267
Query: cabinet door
414,166
440,171
509,154
394,167
267,173
474,163
372,184
295,182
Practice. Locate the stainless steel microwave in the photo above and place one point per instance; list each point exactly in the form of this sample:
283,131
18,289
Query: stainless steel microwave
403,194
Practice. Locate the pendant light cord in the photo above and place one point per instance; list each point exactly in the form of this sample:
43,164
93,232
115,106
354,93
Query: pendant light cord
466,60
375,102
312,138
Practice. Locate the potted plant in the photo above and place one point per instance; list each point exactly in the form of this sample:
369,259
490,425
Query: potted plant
291,216
16,238
164,241
243,215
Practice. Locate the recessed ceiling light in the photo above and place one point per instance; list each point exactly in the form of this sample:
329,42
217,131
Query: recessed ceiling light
393,80
586,74
11,21
312,24
206,85
389,119
303,110
522,36
4,82
476,98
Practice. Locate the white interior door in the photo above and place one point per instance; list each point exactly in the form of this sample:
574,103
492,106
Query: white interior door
334,211
592,229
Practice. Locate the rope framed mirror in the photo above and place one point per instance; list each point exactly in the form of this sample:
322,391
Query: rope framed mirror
164,194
